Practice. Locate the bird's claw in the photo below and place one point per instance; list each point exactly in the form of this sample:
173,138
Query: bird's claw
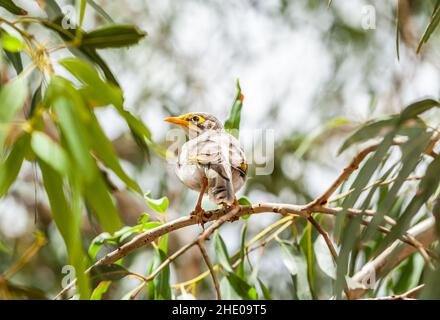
198,213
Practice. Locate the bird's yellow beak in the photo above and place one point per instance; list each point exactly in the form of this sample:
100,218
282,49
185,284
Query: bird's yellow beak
177,120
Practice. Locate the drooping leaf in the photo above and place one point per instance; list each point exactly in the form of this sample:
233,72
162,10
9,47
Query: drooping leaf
427,186
416,108
97,90
296,264
368,131
222,252
106,153
50,152
15,59
75,135
102,204
324,258
67,219
412,151
241,272
266,292
100,10
12,98
36,99
52,9
162,286
432,26
82,11
10,167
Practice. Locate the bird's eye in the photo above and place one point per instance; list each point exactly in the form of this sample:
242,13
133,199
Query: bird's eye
195,119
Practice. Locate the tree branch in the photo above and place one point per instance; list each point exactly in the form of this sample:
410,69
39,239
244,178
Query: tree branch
424,232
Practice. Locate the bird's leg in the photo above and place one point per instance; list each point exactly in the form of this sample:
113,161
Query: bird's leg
198,211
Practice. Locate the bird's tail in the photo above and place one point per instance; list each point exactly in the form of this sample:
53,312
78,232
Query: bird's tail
220,188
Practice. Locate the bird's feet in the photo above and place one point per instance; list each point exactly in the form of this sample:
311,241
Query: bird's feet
198,213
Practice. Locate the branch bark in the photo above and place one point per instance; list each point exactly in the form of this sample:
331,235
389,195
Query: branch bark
424,232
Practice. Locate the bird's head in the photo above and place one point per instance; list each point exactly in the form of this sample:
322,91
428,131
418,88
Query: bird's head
197,122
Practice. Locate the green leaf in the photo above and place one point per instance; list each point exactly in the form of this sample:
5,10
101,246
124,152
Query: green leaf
75,135
100,290
427,186
113,36
69,36
36,100
105,152
266,293
241,272
97,244
241,287
82,11
324,258
101,202
52,9
222,252
100,10
238,285
416,108
12,98
97,91
296,264
67,218
120,236
15,59
50,152
412,151
162,281
159,205
10,168
232,124
227,291
11,43
12,7
351,231
433,24
108,272
369,131
244,201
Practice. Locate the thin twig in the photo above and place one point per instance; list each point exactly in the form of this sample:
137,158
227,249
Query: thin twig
409,295
205,256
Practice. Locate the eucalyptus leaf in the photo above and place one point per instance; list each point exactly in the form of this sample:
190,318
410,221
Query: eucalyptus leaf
232,124
159,205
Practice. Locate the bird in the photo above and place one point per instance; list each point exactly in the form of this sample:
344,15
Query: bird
212,161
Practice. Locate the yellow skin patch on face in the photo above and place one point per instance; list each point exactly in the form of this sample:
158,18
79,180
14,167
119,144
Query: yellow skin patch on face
191,117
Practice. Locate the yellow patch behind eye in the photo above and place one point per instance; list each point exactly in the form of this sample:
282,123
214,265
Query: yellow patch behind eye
244,166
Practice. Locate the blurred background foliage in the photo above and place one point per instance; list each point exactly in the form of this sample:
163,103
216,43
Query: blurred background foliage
82,138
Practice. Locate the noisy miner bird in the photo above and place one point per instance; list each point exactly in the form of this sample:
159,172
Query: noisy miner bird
211,161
